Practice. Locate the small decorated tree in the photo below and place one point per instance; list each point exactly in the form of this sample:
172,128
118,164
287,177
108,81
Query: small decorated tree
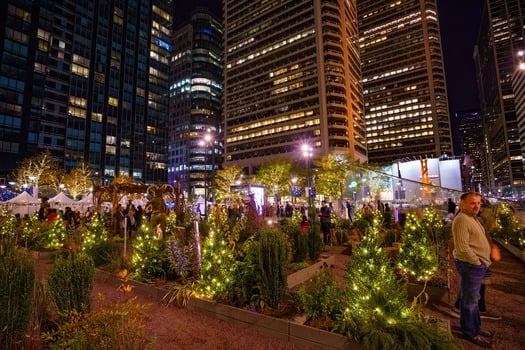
96,243
374,303
149,259
57,236
217,260
416,257
373,297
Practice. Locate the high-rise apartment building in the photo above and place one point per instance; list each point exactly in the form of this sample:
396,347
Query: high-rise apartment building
291,76
195,133
518,86
471,139
88,81
405,95
500,39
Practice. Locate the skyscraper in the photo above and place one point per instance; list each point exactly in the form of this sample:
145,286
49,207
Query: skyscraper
195,137
471,140
500,40
405,95
88,81
292,76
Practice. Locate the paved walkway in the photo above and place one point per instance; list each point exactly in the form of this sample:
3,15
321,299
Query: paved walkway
505,296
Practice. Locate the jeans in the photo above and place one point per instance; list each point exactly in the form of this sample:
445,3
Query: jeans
481,304
471,278
325,228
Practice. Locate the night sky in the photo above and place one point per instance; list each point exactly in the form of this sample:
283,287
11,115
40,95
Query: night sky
459,22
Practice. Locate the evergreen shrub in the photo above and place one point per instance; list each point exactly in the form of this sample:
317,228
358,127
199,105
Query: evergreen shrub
274,255
17,277
71,283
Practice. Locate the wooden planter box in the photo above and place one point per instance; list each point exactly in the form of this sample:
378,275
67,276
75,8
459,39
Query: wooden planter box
280,328
305,274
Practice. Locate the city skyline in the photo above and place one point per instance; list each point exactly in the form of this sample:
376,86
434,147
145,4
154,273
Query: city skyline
459,21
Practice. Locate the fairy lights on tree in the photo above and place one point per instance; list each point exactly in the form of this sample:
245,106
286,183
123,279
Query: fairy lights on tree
149,254
218,260
58,234
95,234
417,257
373,297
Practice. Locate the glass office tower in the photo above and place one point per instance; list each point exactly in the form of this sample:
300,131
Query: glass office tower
291,76
405,95
88,81
499,42
195,137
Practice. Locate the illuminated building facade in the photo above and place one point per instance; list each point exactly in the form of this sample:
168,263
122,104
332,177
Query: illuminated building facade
88,81
406,107
195,137
472,142
500,39
291,76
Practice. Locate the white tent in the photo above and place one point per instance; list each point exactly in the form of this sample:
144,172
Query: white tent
61,201
85,203
22,204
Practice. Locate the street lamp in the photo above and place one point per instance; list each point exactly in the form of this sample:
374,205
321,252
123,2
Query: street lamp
307,154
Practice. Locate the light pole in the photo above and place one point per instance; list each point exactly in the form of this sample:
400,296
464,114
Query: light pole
307,154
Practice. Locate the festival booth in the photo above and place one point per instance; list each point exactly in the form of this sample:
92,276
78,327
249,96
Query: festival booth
136,202
22,204
85,203
61,201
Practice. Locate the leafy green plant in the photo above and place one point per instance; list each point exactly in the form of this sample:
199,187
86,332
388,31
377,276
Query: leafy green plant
8,229
122,326
299,242
104,252
320,297
274,255
315,243
247,288
17,278
183,259
71,283
179,294
508,228
341,228
41,317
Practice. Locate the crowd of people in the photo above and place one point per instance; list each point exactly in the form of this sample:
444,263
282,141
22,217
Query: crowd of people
73,218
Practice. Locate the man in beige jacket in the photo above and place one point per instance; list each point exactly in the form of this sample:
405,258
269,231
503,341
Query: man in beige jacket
471,258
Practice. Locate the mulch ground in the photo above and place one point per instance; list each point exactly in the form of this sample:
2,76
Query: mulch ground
177,328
